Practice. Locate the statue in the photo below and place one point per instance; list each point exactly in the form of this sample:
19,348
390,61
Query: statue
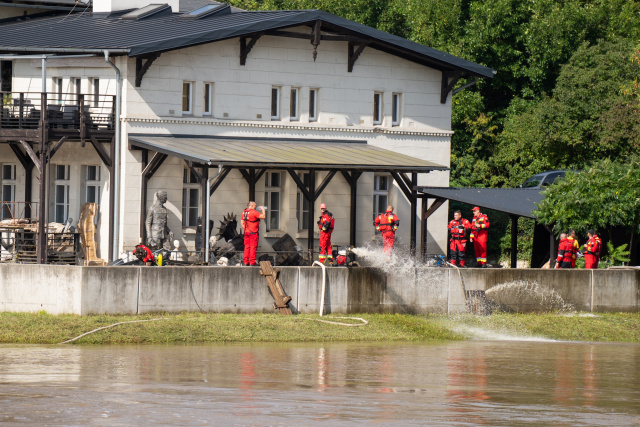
158,233
87,229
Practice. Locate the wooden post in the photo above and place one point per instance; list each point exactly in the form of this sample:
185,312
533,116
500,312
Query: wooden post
414,208
514,241
312,212
204,198
423,230
143,196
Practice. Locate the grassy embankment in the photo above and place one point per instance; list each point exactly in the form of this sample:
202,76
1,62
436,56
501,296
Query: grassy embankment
42,328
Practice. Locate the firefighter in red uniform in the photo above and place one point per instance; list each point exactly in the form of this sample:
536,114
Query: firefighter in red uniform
479,231
325,224
572,236
387,223
566,252
592,250
458,229
250,222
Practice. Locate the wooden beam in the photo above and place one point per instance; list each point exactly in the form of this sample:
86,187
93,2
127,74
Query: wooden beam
439,201
102,153
312,212
325,182
305,36
402,185
151,168
218,180
53,150
447,85
303,188
414,205
193,170
34,158
24,159
245,47
143,67
353,54
316,37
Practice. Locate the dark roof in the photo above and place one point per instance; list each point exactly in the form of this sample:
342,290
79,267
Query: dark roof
163,32
515,201
282,153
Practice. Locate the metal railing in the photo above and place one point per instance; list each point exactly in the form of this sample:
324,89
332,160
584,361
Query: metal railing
18,213
24,110
20,245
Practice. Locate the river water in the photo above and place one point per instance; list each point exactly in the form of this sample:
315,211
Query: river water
463,383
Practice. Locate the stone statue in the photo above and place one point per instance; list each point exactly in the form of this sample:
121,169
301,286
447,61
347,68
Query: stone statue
158,233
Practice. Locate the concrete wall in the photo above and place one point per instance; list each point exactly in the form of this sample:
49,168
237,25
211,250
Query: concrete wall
131,290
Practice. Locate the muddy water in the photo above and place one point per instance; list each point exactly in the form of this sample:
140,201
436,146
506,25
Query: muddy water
469,383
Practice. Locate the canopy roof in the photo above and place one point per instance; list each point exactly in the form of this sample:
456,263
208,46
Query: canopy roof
514,201
283,153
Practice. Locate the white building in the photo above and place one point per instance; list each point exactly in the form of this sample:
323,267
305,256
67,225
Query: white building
201,85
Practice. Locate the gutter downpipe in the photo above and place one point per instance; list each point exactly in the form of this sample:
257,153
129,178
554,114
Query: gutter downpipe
116,161
208,214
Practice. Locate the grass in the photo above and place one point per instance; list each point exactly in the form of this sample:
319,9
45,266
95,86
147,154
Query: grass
43,328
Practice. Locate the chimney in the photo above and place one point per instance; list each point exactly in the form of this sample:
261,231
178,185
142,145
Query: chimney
117,5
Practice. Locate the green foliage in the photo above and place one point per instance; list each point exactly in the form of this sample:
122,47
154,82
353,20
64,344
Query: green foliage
605,195
615,256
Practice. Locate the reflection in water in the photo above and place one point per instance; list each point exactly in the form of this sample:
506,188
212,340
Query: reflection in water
470,383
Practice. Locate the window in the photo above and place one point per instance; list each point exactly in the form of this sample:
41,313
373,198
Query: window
8,192
395,109
380,194
186,97
377,108
313,105
275,103
207,99
61,193
190,199
92,184
302,205
95,83
293,104
272,199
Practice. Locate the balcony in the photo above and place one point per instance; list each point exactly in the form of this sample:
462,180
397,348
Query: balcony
32,116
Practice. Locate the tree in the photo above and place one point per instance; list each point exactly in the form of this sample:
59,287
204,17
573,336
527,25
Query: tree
604,196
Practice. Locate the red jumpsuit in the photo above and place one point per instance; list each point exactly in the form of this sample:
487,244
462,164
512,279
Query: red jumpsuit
479,226
566,253
387,223
251,218
325,225
592,255
577,246
458,245
145,255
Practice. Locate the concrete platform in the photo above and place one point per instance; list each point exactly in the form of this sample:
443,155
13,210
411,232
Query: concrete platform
135,290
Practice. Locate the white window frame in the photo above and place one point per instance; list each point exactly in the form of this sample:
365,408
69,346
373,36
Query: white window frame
378,193
313,105
8,182
207,99
61,183
273,214
302,214
294,104
189,184
95,183
187,94
377,108
396,109
275,103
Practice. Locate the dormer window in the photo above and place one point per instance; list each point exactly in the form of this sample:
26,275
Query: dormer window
145,12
